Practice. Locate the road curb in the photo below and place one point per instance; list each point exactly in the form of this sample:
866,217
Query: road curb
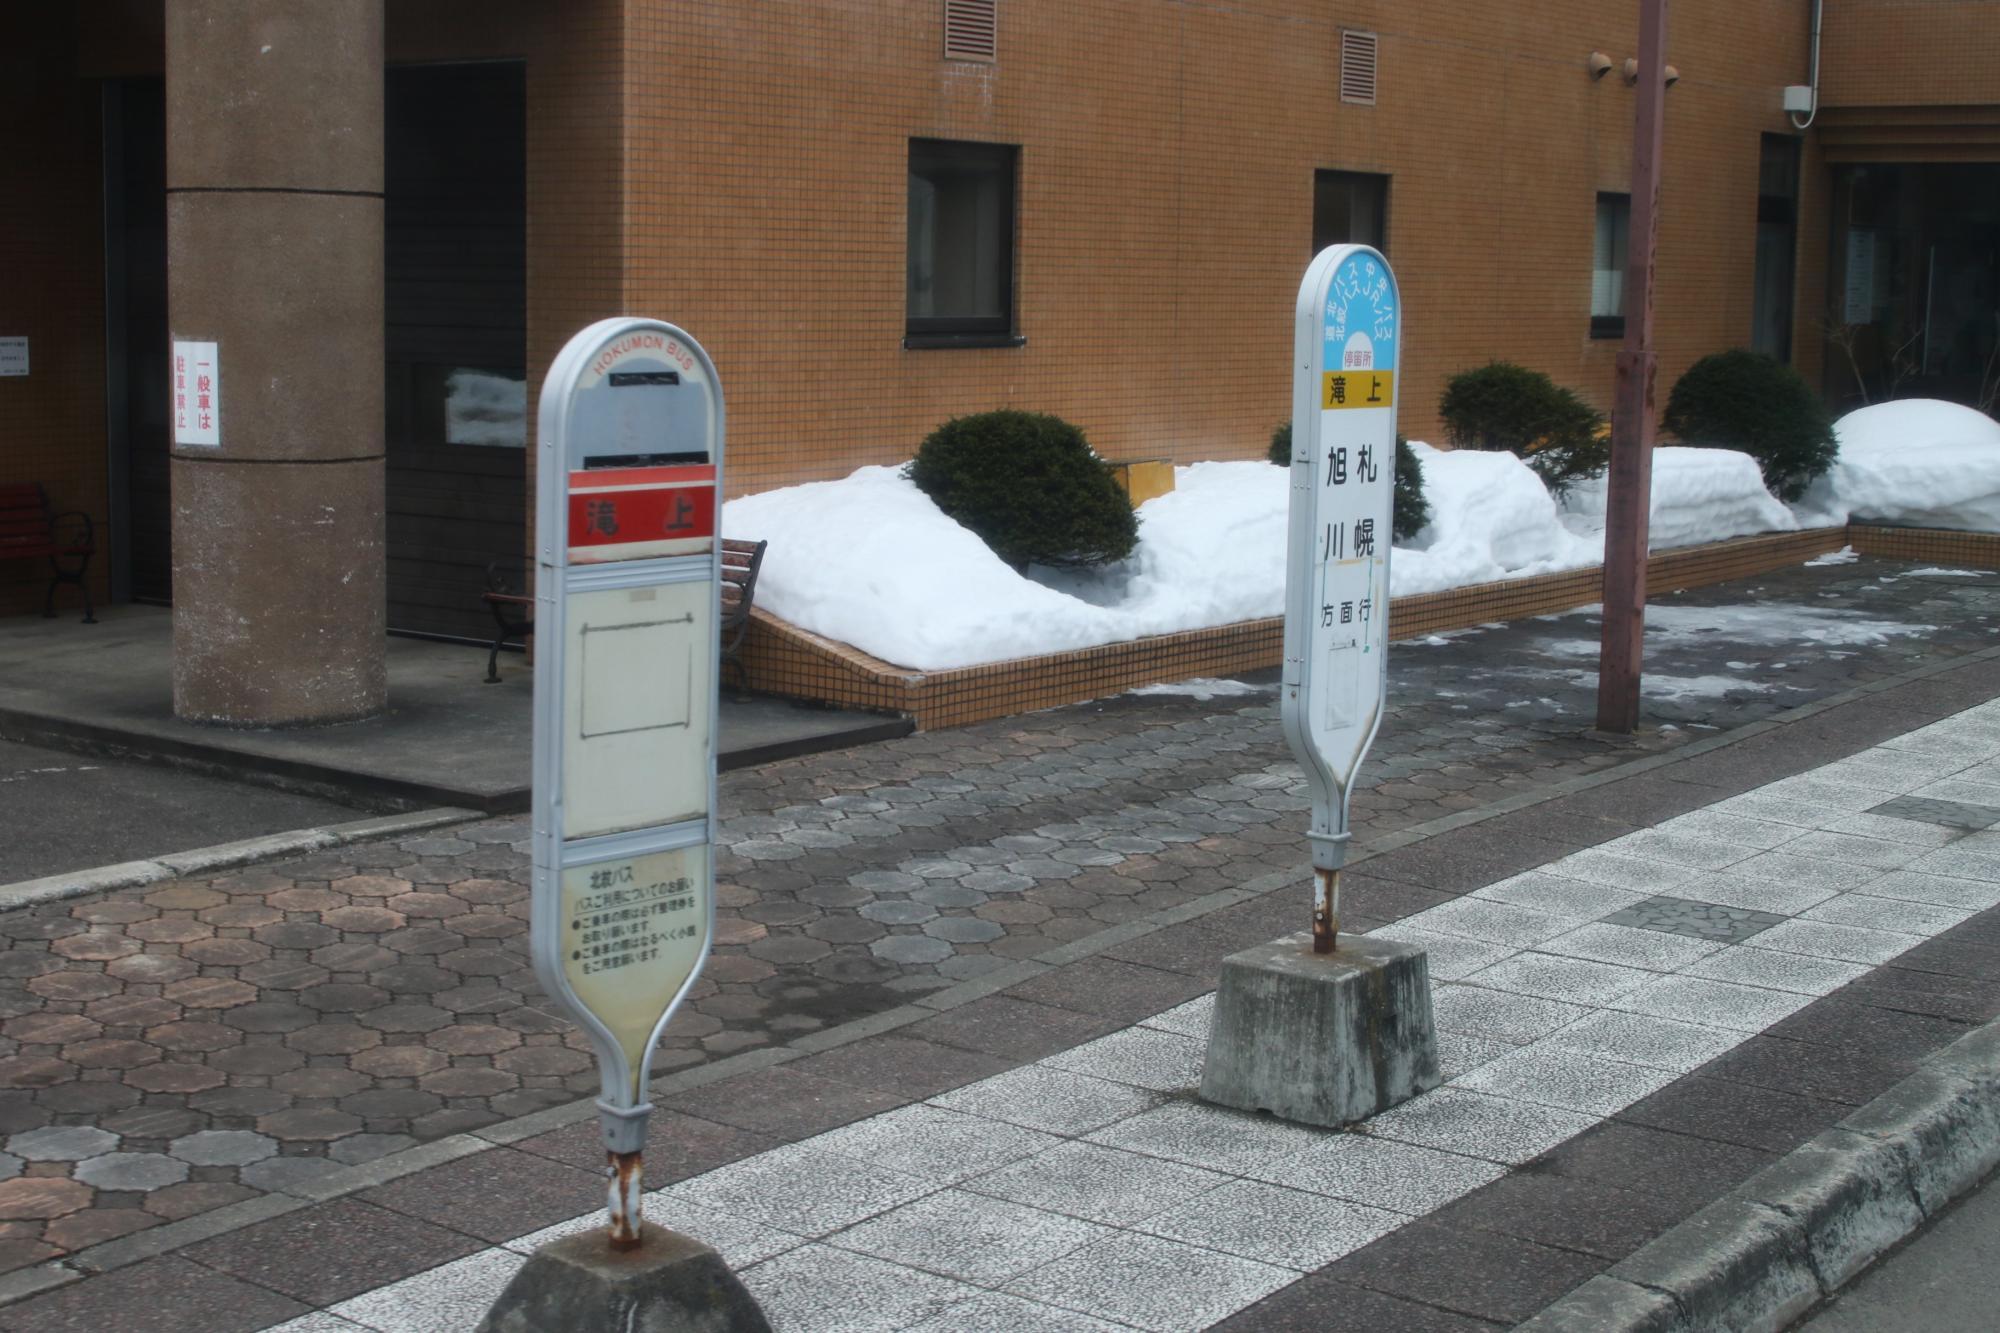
223,856
1792,1235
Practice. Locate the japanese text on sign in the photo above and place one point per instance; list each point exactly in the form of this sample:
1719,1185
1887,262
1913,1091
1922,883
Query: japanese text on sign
621,922
197,391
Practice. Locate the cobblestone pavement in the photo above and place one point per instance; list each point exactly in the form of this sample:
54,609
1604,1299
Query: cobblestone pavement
170,1050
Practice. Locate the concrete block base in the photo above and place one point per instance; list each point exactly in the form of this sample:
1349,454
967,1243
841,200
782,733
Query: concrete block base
670,1284
1323,1039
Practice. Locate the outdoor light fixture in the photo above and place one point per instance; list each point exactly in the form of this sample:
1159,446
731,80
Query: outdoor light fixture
1599,64
1631,70
1673,76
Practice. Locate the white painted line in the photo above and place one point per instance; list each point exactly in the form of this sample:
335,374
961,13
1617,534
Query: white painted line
221,856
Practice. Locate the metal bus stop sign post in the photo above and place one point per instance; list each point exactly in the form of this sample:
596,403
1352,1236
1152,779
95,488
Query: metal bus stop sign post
1337,564
1314,1028
628,571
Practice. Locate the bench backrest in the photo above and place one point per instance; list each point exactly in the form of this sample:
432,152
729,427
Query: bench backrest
740,563
24,516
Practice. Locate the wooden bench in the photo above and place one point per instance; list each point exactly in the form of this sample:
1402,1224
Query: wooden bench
740,563
508,597
30,529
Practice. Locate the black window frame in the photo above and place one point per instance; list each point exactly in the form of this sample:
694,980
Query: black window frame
1609,326
944,331
1777,208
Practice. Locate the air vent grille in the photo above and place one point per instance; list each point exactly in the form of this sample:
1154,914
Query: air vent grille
1357,67
971,29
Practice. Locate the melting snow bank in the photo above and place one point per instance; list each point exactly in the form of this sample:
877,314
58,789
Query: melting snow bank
869,560
1491,518
1699,495
1915,461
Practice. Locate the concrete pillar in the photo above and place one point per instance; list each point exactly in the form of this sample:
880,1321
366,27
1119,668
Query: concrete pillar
274,239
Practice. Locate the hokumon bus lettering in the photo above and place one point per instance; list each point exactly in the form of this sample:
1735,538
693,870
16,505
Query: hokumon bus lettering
642,342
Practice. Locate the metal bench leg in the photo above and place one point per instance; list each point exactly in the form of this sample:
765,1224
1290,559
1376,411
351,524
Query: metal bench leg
60,576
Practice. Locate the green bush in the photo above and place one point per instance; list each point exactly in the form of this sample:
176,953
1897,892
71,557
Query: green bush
1748,401
1505,407
1030,486
1411,510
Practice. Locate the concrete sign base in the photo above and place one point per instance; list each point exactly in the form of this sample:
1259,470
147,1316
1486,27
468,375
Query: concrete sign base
670,1284
1321,1038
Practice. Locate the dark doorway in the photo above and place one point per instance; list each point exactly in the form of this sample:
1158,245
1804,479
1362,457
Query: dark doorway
1350,208
456,313
135,300
1914,292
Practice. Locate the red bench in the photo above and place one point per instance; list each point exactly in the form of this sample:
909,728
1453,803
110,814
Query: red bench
31,529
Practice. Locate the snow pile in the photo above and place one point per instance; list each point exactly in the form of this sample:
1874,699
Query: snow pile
869,560
1699,495
1203,688
1915,461
1491,518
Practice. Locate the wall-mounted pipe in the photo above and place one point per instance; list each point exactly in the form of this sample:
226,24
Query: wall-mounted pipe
1812,77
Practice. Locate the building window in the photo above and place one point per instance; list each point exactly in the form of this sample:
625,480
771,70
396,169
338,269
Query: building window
1607,267
960,275
1350,208
1777,246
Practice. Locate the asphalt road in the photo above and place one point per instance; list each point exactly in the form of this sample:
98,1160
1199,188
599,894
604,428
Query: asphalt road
1942,1281
62,811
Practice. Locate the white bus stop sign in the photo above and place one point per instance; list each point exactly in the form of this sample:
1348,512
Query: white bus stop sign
627,572
1337,565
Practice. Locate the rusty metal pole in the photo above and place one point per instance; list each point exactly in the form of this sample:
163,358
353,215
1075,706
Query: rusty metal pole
628,1221
1326,909
1628,507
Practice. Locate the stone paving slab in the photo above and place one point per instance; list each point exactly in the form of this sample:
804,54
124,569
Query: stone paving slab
401,994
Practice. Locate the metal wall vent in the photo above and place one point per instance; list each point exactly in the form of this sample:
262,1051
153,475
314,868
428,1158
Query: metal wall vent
1357,67
971,29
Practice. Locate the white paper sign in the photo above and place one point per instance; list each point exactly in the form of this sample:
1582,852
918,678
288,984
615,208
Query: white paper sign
197,392
13,356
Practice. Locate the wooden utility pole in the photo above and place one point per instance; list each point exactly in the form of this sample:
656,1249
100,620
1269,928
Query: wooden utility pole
1628,507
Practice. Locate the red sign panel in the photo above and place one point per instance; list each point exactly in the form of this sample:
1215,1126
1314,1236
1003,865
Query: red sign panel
658,514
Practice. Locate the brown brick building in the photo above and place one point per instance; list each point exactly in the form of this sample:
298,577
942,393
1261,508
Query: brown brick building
1105,216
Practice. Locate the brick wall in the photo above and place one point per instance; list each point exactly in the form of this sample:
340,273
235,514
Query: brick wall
1166,203
741,169
1908,53
51,285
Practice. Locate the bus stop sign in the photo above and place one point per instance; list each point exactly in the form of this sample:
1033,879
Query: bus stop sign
627,570
1349,326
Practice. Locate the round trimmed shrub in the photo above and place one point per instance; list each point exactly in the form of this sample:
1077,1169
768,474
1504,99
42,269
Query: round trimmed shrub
1750,402
1507,408
1411,511
1030,486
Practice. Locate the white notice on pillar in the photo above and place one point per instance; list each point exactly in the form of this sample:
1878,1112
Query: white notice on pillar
197,390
